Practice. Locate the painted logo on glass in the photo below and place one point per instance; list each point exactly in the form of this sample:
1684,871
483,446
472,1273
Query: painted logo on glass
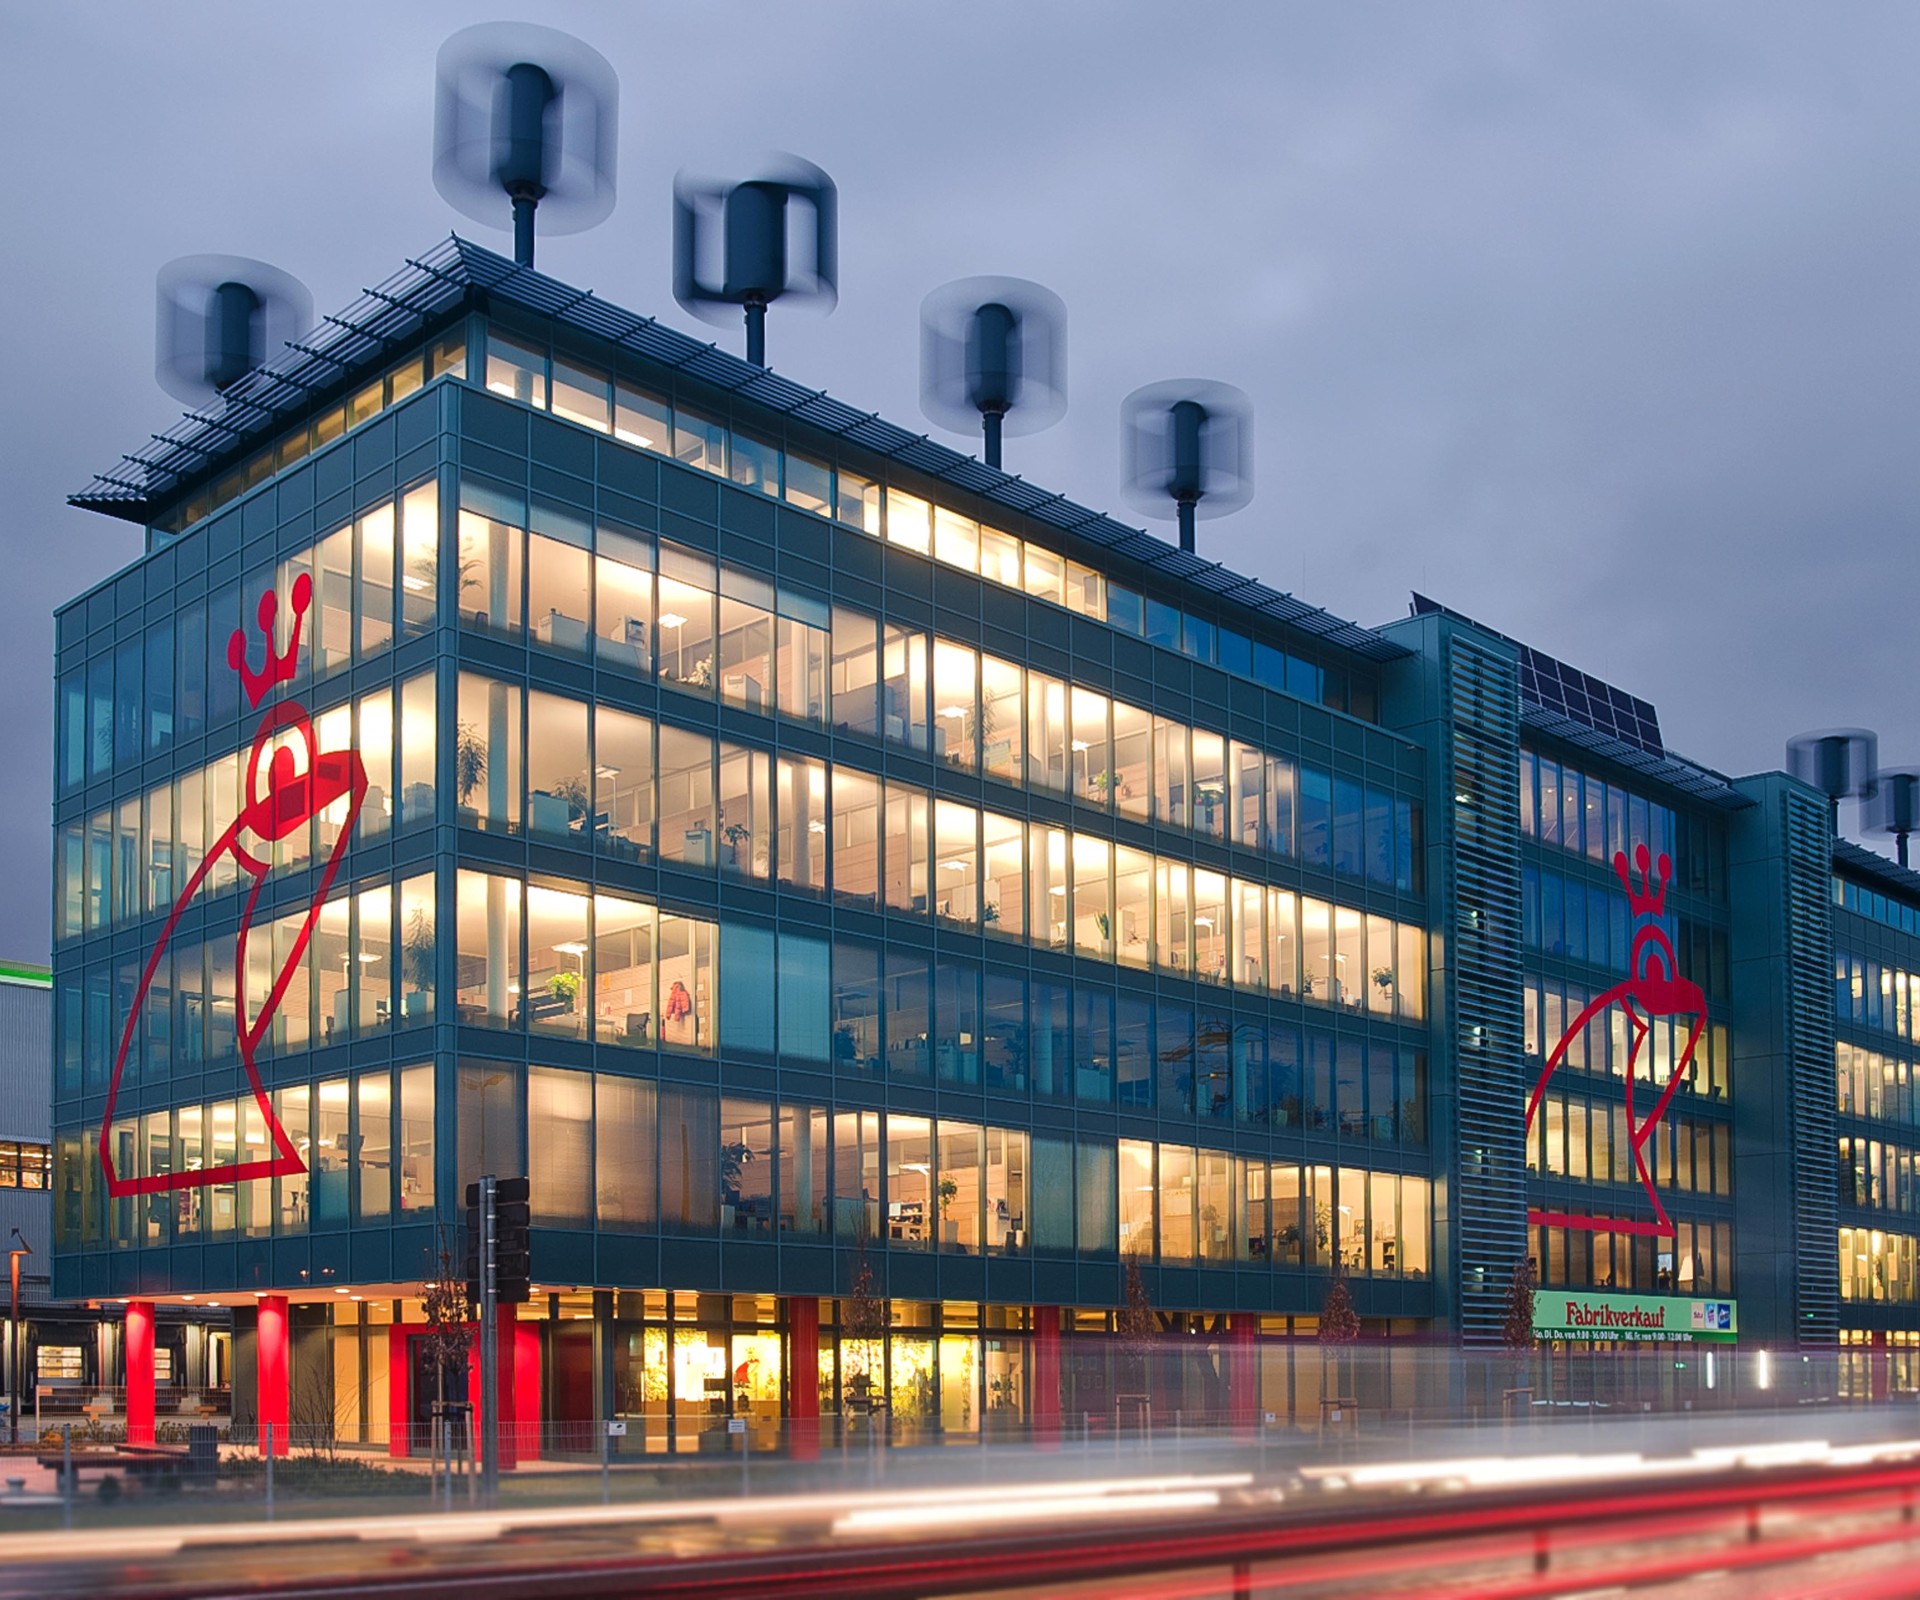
1653,992
289,780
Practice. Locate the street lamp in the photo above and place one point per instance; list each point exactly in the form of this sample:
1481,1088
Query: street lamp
19,1248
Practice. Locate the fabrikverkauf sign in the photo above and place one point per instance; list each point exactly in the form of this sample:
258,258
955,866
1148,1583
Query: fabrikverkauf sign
1631,1318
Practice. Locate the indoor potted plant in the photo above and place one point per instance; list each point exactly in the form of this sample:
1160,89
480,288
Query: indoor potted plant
734,1157
1383,981
417,958
469,768
946,1190
574,791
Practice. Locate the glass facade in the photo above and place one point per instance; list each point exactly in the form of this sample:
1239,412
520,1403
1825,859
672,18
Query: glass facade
584,741
808,875
1582,942
1876,1012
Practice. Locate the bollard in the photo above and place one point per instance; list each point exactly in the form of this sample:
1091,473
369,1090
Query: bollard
269,1472
1177,1434
66,1474
606,1465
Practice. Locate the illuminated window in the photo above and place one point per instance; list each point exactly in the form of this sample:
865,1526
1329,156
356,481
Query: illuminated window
25,1166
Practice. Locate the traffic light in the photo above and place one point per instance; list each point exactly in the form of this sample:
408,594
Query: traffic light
512,1267
512,1264
472,1241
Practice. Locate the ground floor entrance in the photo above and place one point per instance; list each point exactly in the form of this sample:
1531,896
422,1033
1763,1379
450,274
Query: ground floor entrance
668,1373
687,1374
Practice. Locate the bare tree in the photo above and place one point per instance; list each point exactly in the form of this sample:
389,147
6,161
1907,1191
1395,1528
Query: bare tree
1516,1333
448,1316
1339,1330
863,1323
1339,1323
1139,1330
317,1436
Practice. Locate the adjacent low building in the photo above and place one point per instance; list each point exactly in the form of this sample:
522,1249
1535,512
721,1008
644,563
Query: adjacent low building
59,1355
905,925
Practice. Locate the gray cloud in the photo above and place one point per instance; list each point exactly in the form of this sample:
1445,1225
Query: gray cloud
1597,321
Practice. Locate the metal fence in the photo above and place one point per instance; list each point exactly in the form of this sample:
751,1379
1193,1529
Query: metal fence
100,1410
81,1463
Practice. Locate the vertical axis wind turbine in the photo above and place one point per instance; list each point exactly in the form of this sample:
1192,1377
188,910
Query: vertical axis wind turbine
216,318
531,113
993,350
1894,806
750,249
1839,762
1188,440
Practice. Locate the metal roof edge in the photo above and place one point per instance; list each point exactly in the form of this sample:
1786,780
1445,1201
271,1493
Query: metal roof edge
1697,782
259,405
456,270
1861,859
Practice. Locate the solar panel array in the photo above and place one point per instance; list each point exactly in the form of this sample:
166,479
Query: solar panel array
1554,686
1580,697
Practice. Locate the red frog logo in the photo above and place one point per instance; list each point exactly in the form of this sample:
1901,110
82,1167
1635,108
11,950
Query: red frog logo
1653,991
289,781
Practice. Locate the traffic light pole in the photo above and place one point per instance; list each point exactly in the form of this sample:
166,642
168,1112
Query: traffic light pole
498,1264
489,1345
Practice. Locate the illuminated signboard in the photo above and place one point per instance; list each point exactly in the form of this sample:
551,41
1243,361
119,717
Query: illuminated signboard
1575,1314
289,781
1653,992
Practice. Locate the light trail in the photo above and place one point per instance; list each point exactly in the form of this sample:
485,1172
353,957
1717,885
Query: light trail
1487,1472
467,1527
1422,1520
1055,1508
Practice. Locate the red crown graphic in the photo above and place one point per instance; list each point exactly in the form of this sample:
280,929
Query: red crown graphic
1649,901
280,669
291,797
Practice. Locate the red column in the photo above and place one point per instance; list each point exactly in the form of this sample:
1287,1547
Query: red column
1243,1372
139,1372
400,1390
274,1387
803,1377
1046,1377
527,1388
504,1400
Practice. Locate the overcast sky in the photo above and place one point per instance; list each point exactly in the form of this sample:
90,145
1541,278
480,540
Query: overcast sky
1596,321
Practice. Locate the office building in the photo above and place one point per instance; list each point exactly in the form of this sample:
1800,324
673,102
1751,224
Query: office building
901,922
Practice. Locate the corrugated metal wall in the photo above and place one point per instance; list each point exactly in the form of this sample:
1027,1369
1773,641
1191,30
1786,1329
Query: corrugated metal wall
1484,794
26,1061
1807,829
26,1113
